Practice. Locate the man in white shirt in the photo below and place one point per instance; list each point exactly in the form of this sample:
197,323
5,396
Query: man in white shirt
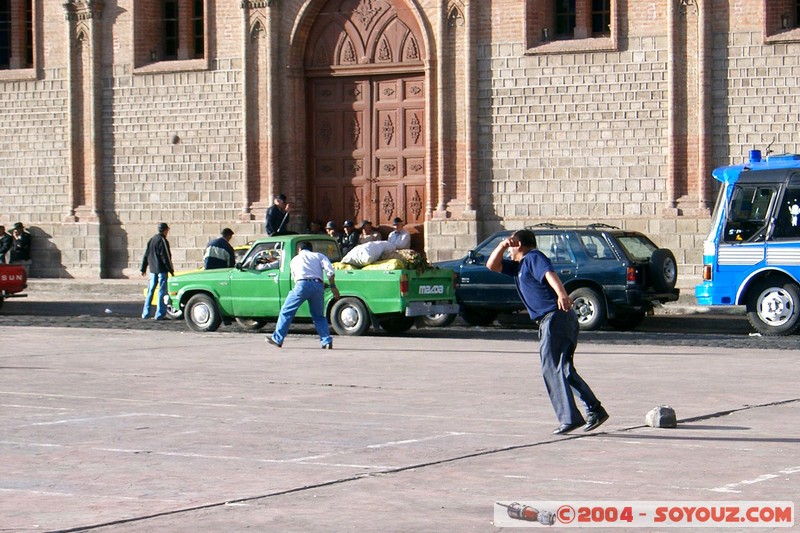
307,268
400,237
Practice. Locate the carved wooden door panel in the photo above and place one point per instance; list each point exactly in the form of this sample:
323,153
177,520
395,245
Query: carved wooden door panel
340,148
368,149
399,149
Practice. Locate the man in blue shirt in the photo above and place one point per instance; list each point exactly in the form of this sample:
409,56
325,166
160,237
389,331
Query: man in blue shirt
547,301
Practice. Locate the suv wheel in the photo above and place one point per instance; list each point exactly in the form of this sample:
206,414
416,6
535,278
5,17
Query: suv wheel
663,270
590,307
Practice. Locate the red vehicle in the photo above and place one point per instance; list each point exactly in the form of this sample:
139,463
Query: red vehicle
13,280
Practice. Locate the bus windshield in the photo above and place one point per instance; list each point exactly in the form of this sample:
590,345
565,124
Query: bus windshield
749,212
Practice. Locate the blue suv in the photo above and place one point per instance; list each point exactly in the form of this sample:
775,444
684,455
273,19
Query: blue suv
614,276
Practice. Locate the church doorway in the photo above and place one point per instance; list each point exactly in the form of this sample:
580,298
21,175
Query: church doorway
366,109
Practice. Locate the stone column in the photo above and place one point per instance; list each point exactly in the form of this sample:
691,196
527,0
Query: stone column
84,36
83,228
260,106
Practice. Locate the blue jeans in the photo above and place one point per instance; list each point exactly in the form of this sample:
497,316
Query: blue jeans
314,293
161,308
558,338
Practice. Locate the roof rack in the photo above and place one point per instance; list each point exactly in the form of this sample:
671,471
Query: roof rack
550,225
601,225
542,225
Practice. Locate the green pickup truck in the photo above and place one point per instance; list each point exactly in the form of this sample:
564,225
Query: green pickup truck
252,292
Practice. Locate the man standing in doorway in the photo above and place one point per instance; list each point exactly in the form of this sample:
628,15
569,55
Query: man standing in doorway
546,300
158,258
278,216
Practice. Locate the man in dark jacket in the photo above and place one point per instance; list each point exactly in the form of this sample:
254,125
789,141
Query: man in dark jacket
219,252
158,258
6,241
349,238
21,249
278,216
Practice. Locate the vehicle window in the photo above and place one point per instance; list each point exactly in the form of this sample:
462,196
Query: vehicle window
749,211
482,253
787,222
597,247
327,248
265,256
637,247
554,246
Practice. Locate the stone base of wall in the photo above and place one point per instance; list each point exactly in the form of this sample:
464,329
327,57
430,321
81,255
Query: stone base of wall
449,239
69,250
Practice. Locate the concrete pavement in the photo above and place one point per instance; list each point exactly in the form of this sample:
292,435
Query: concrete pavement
119,430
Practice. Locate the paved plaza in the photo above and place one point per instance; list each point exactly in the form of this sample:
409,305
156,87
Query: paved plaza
123,430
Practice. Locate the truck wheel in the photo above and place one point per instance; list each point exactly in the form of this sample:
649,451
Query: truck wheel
772,307
478,317
250,324
663,270
590,307
349,316
202,314
1,301
397,324
437,321
174,314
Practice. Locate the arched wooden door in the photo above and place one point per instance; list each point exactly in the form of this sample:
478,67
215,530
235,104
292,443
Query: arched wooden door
366,110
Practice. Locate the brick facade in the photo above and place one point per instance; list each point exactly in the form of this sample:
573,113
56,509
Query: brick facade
102,137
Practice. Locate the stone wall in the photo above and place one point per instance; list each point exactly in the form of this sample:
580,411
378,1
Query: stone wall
608,134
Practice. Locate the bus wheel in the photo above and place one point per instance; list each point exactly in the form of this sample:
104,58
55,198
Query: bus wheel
772,307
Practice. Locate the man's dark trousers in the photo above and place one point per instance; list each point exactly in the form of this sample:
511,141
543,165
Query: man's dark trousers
558,338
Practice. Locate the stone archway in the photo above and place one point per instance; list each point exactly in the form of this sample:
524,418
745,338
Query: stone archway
366,109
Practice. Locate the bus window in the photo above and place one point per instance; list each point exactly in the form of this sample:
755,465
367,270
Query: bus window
787,220
749,212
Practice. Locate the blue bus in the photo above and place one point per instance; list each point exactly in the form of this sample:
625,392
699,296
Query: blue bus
751,256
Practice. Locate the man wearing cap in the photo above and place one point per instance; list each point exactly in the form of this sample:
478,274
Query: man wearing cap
158,258
21,247
348,239
219,252
368,233
330,230
278,216
400,237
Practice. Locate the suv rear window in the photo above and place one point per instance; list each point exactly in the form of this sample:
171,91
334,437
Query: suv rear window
638,247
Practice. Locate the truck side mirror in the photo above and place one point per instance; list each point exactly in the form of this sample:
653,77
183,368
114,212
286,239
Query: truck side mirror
238,266
472,256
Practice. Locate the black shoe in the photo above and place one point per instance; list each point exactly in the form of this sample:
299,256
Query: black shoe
595,418
273,341
566,428
328,346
